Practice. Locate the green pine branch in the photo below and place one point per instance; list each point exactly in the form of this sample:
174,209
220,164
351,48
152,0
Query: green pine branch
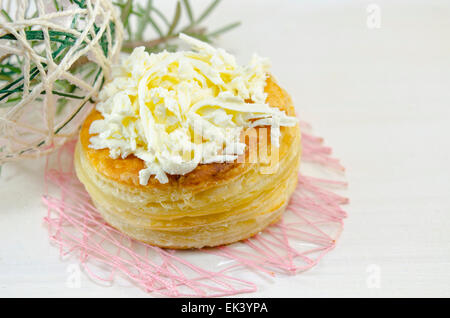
148,17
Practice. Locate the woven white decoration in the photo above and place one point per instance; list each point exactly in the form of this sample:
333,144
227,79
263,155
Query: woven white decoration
54,57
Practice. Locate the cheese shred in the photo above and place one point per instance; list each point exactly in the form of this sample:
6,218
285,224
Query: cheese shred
178,110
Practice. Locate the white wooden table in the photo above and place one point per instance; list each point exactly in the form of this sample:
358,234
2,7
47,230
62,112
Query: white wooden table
380,97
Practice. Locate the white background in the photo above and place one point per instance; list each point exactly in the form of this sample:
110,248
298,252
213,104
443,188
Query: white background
380,97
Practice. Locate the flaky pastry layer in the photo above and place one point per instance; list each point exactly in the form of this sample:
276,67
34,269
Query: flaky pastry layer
213,205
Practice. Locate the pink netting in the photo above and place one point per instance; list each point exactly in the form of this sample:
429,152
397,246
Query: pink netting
309,229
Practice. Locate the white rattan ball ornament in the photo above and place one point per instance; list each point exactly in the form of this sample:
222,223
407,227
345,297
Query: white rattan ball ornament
54,58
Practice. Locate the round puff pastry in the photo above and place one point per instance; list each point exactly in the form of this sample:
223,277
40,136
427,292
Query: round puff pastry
215,204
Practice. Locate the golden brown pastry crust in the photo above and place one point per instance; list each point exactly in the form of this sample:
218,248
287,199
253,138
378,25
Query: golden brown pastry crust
126,170
214,204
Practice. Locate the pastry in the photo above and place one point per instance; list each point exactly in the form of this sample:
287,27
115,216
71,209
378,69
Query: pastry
189,149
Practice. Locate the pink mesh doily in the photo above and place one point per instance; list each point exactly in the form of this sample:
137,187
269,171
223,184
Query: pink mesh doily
308,230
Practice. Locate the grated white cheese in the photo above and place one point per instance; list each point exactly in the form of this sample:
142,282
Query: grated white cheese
177,110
